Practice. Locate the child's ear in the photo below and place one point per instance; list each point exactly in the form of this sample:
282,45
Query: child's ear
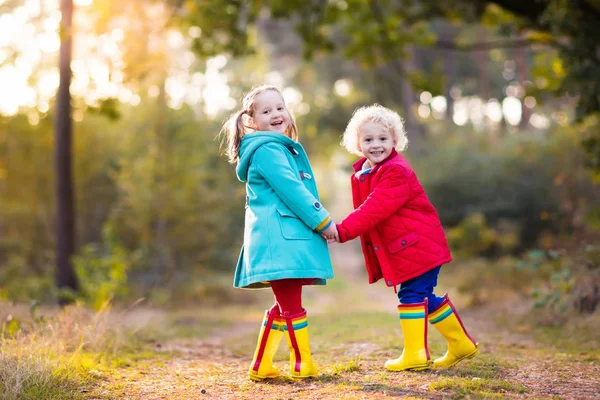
251,123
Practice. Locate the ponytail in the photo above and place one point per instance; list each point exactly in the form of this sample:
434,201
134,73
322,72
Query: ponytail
233,131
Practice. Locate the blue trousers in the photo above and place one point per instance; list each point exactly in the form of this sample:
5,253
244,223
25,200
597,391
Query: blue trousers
415,290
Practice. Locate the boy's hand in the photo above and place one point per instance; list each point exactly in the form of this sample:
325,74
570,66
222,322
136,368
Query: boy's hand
331,234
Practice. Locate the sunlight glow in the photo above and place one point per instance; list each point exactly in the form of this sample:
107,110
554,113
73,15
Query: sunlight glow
98,65
292,96
530,102
274,78
12,83
195,32
438,106
32,31
49,42
293,99
477,111
8,28
216,90
424,111
461,112
302,109
176,90
511,108
342,87
153,91
425,97
493,110
539,121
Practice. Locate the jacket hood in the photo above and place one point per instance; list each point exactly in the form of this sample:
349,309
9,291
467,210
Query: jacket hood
250,143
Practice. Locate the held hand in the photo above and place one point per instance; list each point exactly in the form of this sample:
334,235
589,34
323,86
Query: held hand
331,234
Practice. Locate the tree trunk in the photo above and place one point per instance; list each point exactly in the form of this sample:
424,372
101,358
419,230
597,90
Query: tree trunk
481,58
522,64
408,92
65,205
449,70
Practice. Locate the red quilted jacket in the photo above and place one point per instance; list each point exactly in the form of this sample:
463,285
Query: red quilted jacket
400,230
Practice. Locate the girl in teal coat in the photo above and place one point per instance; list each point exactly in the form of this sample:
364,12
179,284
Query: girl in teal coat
284,246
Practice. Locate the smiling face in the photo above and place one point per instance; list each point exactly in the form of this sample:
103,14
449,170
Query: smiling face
375,142
270,113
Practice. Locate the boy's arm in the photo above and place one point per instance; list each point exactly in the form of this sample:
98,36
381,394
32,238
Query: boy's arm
272,163
390,194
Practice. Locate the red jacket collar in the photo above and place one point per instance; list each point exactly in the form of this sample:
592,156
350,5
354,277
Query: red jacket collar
358,165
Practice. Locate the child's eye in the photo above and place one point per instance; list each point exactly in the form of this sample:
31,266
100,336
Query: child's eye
280,109
266,112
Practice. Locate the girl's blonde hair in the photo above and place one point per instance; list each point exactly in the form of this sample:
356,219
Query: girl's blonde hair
237,126
377,114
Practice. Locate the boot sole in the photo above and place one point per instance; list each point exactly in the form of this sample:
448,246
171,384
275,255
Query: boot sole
467,357
303,377
257,378
419,367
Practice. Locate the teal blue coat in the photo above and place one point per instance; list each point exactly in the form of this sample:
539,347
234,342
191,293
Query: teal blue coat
282,212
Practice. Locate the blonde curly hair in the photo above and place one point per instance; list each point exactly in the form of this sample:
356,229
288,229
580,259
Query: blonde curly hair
388,119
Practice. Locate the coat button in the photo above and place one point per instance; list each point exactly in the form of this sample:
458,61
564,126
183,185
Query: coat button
317,205
403,243
362,179
376,248
389,282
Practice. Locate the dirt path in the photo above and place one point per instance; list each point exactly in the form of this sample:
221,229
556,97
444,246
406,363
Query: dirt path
511,363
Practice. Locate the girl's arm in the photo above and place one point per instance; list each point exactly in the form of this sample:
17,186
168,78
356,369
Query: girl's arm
390,194
272,163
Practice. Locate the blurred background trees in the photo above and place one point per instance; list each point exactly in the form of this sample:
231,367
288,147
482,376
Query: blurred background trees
501,102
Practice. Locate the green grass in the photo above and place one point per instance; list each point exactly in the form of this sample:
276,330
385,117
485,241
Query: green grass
352,365
76,354
476,387
580,338
484,366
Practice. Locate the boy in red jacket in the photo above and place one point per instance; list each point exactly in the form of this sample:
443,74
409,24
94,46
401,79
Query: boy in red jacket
402,237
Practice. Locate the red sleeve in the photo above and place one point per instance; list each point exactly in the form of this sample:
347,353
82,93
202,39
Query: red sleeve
390,194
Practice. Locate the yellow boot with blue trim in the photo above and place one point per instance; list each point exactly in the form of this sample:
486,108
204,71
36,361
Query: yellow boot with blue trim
415,356
461,345
296,330
269,338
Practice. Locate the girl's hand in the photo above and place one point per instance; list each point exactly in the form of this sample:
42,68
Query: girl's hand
331,234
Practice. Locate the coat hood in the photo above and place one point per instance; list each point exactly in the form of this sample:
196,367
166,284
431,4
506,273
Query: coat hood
251,142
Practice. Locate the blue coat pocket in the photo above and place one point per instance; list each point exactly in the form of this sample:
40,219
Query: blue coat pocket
293,227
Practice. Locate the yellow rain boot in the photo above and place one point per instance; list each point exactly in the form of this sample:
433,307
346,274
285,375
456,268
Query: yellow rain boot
296,330
461,346
415,356
269,338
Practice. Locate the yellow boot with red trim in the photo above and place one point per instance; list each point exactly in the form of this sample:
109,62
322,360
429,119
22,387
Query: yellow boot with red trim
296,333
461,345
269,339
415,356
